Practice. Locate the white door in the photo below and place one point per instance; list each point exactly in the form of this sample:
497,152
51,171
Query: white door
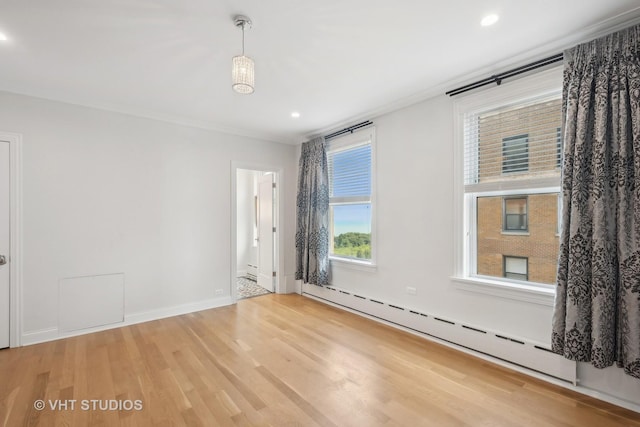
265,232
4,244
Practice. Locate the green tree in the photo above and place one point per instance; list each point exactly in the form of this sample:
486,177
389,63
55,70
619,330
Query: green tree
352,244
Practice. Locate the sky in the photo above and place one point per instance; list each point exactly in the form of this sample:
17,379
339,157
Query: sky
354,218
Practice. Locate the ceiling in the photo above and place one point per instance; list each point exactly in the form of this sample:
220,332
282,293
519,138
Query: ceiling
333,61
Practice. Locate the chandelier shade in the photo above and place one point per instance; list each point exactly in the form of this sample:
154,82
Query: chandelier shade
242,74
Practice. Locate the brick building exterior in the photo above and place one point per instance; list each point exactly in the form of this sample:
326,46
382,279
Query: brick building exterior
539,244
517,234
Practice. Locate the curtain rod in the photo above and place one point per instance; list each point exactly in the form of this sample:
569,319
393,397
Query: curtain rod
349,129
497,78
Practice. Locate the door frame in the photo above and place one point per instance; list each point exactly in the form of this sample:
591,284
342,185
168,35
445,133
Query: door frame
278,179
15,228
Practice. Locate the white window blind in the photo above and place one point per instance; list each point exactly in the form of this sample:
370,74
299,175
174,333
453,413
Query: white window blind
518,141
350,172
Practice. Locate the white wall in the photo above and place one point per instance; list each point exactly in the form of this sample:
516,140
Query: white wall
110,193
415,246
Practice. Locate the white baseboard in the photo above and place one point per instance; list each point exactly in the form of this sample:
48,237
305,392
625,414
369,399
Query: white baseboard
176,310
38,336
51,334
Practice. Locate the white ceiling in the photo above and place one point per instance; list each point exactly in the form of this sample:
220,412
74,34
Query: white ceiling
334,61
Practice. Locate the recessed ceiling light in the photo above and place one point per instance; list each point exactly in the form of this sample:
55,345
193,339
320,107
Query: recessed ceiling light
489,20
3,37
295,114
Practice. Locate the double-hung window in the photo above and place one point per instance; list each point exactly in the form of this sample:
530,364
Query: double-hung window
350,164
509,183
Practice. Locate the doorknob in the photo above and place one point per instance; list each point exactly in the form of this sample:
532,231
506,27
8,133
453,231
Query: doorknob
3,260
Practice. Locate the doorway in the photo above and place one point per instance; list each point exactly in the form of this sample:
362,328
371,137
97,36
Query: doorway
256,249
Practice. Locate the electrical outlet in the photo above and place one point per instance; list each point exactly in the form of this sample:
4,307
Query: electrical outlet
219,291
411,290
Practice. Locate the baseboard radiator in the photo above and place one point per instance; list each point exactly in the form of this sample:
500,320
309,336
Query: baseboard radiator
252,271
514,350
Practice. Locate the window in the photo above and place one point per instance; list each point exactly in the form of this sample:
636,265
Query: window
515,214
516,267
509,184
350,165
515,154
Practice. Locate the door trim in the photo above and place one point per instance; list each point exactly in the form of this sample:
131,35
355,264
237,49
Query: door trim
15,228
278,172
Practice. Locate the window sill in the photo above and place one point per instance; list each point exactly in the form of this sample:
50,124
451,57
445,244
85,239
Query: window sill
514,233
520,292
353,264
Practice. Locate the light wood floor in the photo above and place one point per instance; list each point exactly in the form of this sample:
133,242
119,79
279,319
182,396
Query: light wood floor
279,360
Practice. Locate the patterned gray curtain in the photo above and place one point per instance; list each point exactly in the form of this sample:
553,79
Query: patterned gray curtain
597,307
312,233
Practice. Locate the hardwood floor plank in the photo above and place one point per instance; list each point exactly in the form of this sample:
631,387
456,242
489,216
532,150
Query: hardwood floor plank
279,360
296,399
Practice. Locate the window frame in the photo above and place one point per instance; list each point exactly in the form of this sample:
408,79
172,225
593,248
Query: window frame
352,140
544,83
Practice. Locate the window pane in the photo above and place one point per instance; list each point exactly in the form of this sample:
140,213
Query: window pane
516,206
516,222
515,265
515,212
504,143
351,235
350,172
539,245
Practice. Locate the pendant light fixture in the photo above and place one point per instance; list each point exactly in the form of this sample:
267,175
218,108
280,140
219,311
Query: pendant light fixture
242,72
